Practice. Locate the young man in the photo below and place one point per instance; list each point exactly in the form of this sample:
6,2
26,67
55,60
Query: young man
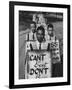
40,34
32,34
55,51
50,36
40,43
38,47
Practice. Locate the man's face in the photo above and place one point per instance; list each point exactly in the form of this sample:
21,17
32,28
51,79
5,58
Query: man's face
40,35
50,31
32,26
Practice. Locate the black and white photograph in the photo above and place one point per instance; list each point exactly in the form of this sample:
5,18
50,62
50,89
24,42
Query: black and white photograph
40,45
40,35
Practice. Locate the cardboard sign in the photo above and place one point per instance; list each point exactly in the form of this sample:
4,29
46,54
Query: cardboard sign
38,64
55,53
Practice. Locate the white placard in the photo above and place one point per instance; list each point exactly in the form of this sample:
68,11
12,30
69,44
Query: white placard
38,65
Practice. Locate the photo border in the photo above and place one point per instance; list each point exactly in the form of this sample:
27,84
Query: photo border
11,43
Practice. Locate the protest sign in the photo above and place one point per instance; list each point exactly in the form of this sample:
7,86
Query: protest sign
55,52
38,64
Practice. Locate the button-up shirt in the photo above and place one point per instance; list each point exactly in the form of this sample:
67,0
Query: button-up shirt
35,45
31,36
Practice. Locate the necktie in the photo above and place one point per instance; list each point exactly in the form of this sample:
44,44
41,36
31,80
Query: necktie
28,37
55,38
40,46
33,36
31,47
50,37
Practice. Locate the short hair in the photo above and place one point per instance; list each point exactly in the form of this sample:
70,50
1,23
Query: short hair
42,29
33,23
50,25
